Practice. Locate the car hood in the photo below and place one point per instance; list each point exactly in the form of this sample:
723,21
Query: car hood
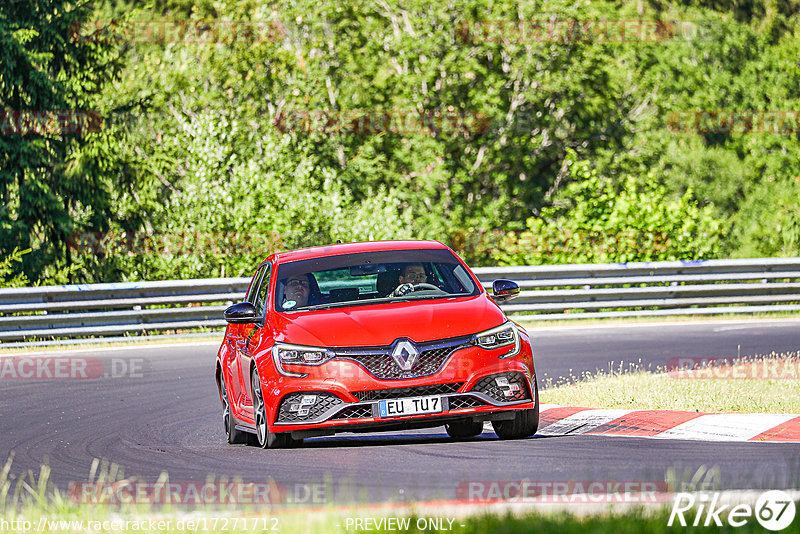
381,324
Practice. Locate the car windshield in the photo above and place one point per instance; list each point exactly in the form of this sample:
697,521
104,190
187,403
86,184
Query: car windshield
371,278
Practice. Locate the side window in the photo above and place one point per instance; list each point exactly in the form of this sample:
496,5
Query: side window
261,297
253,290
463,278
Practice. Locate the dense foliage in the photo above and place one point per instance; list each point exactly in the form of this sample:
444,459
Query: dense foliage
366,119
56,164
8,276
595,220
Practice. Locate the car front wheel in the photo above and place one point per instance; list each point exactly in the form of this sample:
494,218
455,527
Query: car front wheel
266,439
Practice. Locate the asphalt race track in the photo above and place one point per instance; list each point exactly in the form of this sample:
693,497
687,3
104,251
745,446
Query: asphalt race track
166,417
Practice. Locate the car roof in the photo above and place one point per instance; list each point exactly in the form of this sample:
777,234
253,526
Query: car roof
353,248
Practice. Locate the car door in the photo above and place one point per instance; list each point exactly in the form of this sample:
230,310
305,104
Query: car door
250,335
237,341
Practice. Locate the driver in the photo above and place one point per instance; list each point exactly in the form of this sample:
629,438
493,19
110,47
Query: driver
413,273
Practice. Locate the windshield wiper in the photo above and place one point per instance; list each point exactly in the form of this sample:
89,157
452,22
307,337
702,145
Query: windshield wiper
317,307
411,298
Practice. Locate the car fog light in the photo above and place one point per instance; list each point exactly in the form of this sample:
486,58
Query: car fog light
509,390
303,407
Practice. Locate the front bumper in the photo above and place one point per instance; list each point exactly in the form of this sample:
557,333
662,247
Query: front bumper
347,394
489,397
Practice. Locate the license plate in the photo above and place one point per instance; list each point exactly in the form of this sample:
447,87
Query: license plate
410,406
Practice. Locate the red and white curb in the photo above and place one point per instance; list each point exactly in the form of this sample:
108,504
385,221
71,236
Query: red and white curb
667,424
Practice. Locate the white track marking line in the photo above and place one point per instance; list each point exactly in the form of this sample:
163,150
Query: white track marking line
582,422
545,407
487,425
756,325
531,327
725,427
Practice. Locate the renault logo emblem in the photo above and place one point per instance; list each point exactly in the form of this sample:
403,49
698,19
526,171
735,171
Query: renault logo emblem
405,354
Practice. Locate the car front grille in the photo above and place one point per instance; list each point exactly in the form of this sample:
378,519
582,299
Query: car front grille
355,412
399,393
512,387
294,410
465,401
379,362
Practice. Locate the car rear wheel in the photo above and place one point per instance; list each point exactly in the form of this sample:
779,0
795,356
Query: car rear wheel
464,429
266,438
234,435
523,425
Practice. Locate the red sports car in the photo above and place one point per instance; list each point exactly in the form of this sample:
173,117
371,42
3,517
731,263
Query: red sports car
364,337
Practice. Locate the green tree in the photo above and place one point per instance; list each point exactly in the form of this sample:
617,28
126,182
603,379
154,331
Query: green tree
593,220
54,157
741,58
202,144
8,276
213,111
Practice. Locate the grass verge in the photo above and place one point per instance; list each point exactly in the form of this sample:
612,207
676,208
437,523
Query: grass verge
768,384
29,503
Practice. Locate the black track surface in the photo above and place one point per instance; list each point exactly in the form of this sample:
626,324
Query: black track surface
169,419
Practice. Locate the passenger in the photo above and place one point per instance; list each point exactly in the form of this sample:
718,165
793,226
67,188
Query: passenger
297,291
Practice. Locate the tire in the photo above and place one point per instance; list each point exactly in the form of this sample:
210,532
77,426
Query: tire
267,439
524,425
464,429
234,435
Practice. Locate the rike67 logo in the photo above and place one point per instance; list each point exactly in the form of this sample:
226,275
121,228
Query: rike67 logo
774,510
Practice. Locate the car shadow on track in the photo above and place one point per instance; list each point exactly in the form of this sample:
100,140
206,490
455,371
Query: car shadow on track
377,440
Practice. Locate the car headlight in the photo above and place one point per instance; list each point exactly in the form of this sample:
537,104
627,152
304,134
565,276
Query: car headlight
284,353
505,335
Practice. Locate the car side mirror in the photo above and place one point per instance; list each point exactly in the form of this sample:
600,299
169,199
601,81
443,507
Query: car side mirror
503,290
242,313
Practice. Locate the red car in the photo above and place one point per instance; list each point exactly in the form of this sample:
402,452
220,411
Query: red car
363,337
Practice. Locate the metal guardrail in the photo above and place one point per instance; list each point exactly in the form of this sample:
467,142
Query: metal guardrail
116,309
549,292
